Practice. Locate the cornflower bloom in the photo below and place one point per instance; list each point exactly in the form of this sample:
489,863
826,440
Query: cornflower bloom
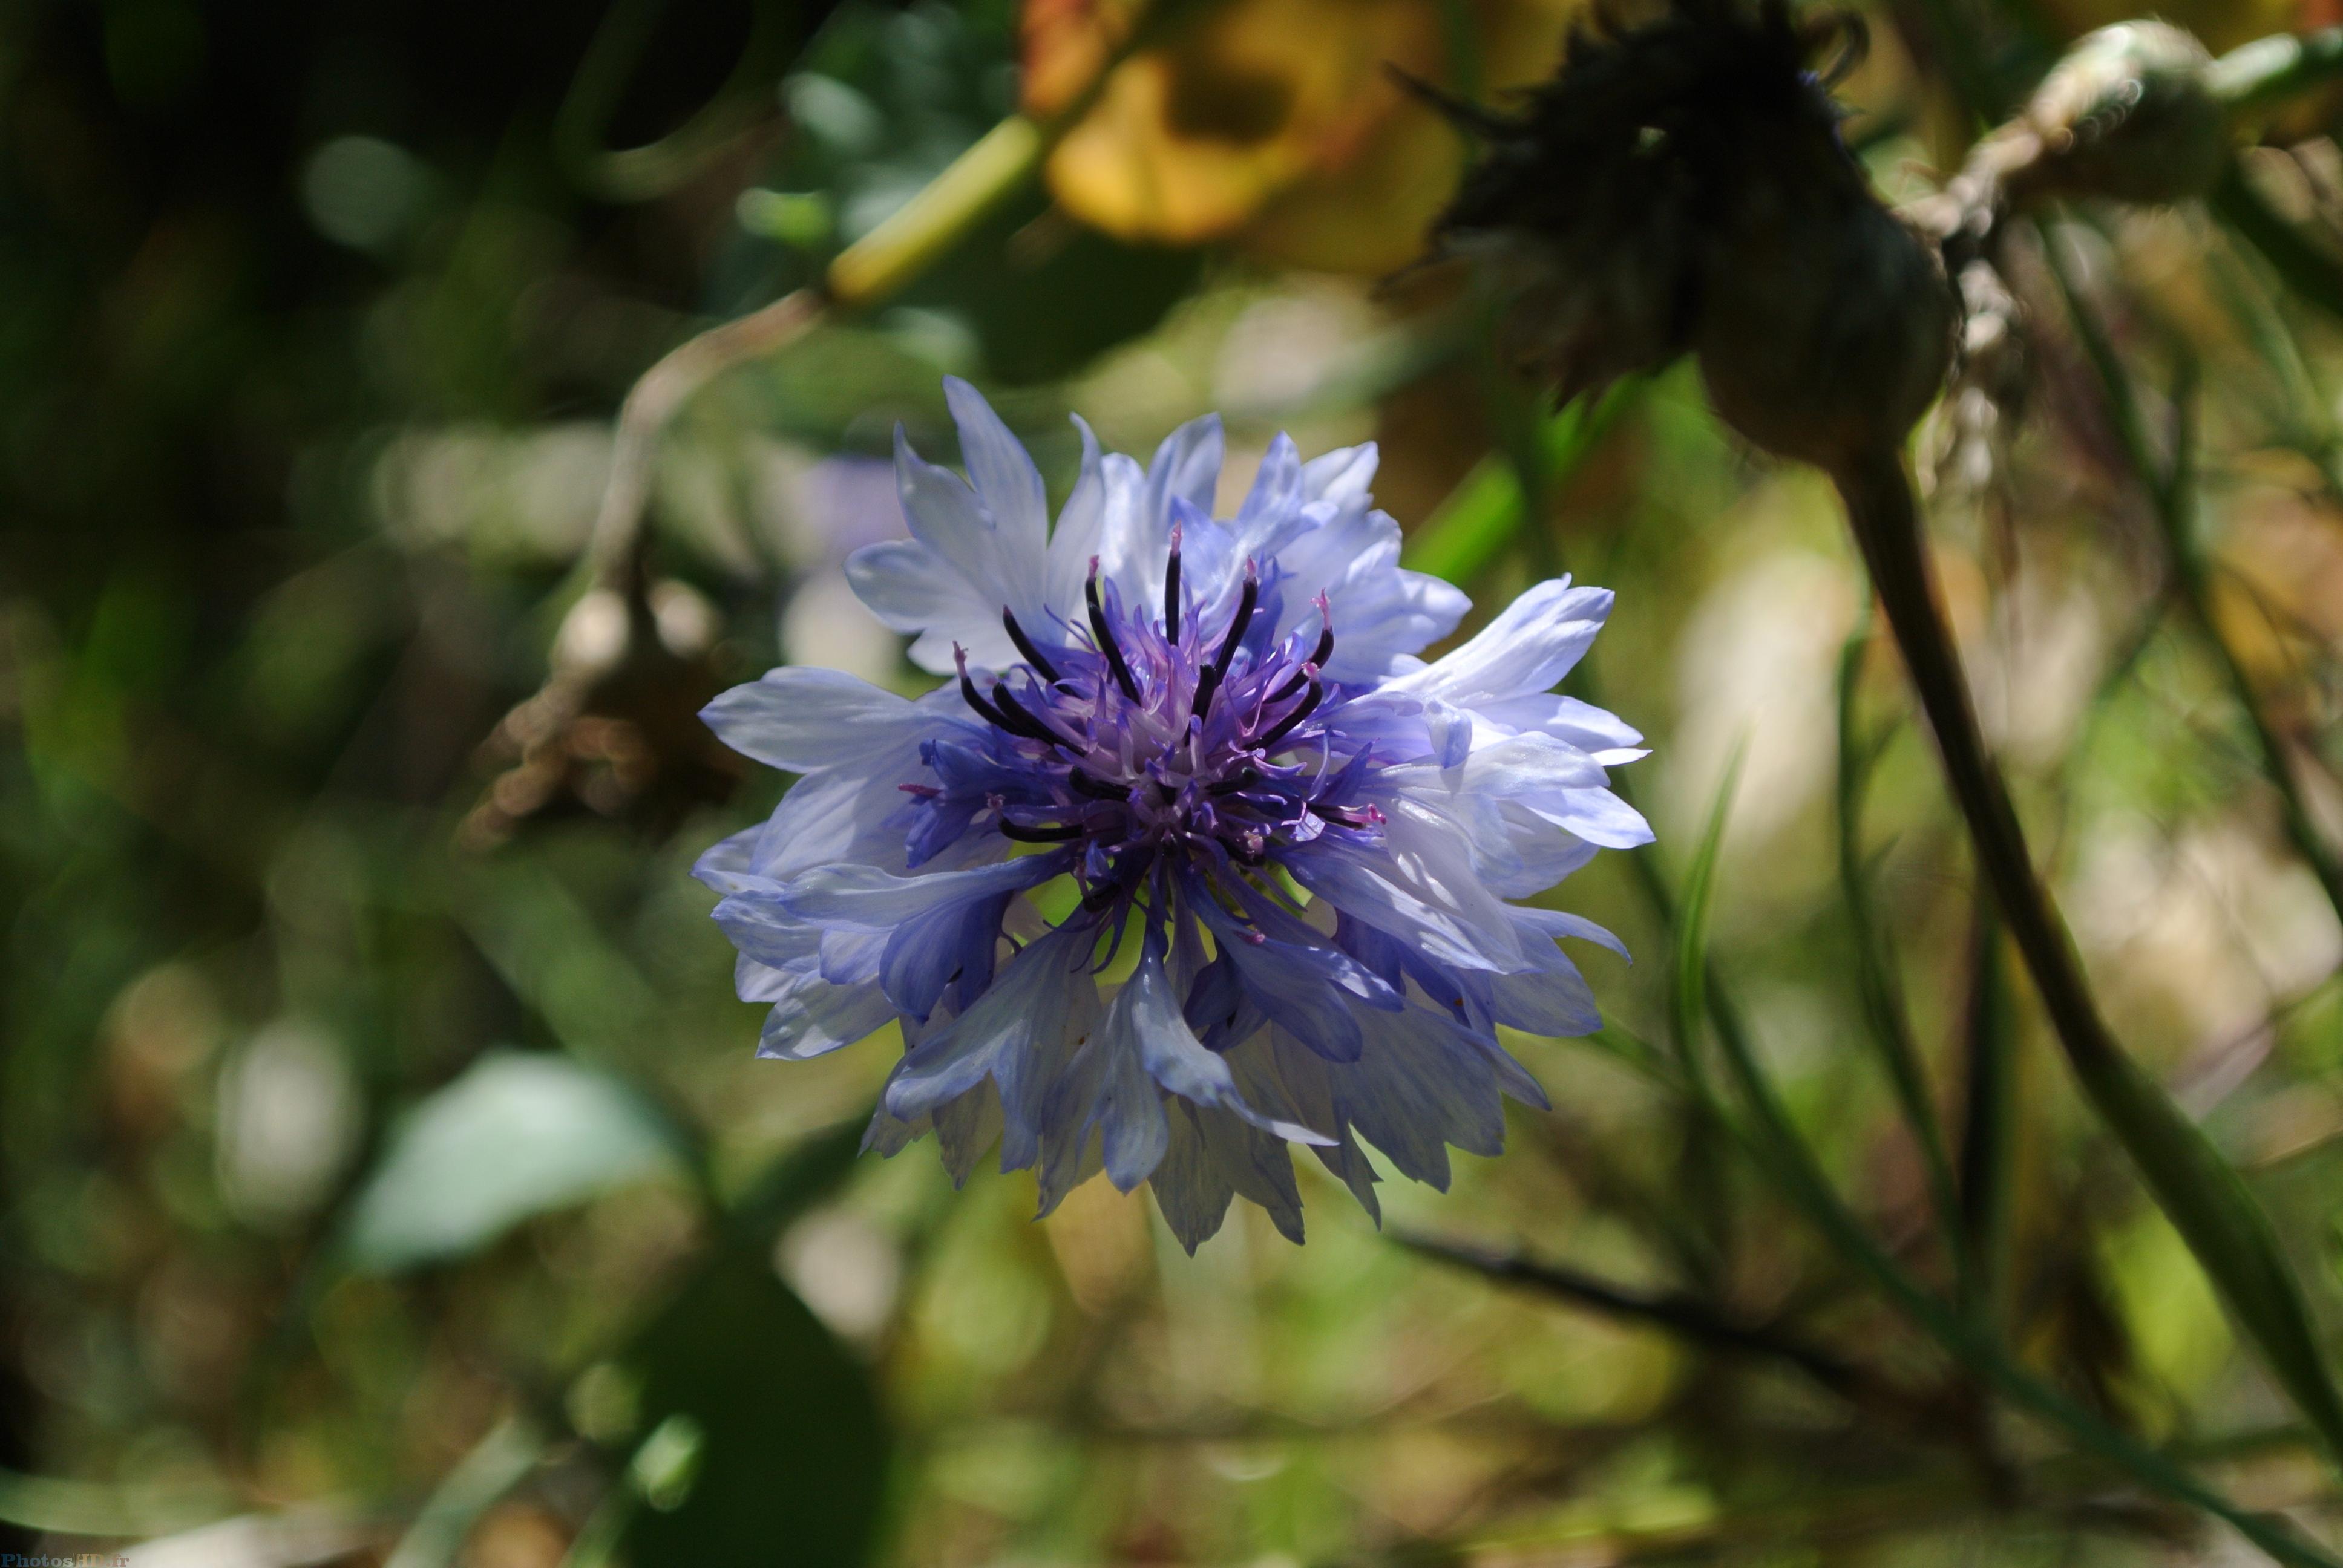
1192,857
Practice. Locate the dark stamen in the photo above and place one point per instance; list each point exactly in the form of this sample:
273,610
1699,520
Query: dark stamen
1172,592
1107,645
1284,726
1041,667
1056,834
1126,877
1325,648
975,699
1097,789
1237,785
1166,792
1211,683
1015,719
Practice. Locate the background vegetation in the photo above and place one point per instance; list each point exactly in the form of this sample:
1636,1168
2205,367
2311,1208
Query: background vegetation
385,1174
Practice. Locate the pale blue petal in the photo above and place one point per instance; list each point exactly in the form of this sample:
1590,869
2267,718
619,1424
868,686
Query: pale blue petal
1420,886
966,1129
874,901
1528,649
1212,1156
1592,729
916,591
1187,465
1007,482
818,1018
1147,1023
1026,1014
1190,1187
1341,474
1558,923
802,720
1276,489
1078,538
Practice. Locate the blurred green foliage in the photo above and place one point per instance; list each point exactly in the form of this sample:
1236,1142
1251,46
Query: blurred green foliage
383,1159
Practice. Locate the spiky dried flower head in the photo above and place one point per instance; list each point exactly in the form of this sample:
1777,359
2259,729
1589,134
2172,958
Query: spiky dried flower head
1681,187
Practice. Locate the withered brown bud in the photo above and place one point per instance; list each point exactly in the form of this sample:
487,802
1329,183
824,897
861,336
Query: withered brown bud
1682,186
1829,328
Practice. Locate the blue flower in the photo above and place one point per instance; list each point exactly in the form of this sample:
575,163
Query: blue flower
1207,748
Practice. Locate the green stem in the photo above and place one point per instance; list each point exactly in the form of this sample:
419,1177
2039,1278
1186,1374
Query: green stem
1784,1154
1776,1147
1975,1348
2198,1190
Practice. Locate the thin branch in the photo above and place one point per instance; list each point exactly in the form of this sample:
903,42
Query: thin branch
1687,1317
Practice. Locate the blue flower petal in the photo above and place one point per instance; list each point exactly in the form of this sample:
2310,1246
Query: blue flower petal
1007,482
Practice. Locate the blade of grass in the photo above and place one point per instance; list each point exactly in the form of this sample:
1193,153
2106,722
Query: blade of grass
1792,1162
1688,1003
1687,973
497,1463
1988,1145
1883,1000
2305,268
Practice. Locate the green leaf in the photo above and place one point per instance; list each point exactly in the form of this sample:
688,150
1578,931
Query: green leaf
515,1136
770,1446
1687,993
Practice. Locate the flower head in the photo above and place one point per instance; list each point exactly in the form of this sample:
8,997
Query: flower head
1681,187
1274,847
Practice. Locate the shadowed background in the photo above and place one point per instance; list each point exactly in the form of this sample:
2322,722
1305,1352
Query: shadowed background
384,1172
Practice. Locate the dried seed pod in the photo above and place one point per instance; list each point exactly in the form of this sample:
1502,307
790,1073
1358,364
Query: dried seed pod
1829,327
1594,210
2128,114
1682,186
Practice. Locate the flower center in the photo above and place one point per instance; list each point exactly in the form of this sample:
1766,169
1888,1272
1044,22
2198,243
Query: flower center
1147,737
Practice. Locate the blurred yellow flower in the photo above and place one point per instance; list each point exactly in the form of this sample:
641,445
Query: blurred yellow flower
1273,123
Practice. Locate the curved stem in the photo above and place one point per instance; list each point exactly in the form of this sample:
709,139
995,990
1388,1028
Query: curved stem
2204,1197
